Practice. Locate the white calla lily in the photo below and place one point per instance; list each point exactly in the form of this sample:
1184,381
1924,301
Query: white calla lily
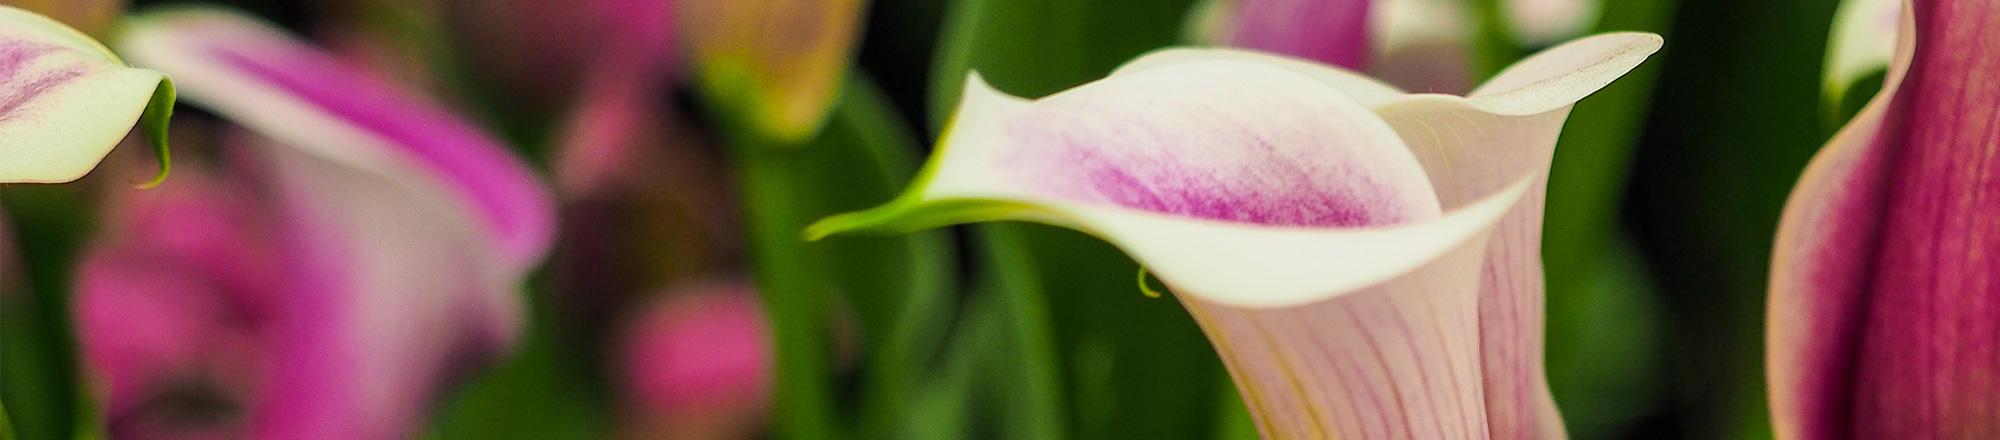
1365,261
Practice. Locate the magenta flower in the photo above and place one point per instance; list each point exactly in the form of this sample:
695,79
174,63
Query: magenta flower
1365,261
697,363
365,245
1885,281
65,100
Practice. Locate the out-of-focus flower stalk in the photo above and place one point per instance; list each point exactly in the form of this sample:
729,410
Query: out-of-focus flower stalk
359,247
1885,280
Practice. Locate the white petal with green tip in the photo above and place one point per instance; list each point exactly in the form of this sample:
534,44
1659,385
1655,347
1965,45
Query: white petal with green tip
65,101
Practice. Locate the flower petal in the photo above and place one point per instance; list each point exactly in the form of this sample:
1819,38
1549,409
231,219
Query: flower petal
386,267
262,78
65,100
1882,281
1863,42
1470,147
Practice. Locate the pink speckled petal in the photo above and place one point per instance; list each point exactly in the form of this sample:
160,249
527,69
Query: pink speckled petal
265,79
1883,282
65,100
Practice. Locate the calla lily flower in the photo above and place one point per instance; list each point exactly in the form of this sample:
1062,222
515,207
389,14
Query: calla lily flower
1883,280
367,248
779,62
1366,262
65,101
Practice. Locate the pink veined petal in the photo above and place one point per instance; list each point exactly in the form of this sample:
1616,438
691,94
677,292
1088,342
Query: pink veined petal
260,77
1822,265
1396,360
1883,283
1931,346
1470,147
1334,32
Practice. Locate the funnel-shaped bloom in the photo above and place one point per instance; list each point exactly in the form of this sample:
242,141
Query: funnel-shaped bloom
1886,280
778,62
365,247
65,100
1365,261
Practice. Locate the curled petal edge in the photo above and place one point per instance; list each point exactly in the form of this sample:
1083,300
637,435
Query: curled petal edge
69,101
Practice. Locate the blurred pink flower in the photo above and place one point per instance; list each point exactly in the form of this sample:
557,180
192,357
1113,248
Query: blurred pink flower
363,247
697,364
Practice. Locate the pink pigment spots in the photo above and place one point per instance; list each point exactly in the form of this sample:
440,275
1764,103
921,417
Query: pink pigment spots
21,83
1219,149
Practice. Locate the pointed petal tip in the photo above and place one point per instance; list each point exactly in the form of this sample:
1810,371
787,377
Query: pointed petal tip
1560,76
71,100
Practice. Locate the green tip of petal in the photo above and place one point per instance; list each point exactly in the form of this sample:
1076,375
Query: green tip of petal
155,120
1146,288
910,215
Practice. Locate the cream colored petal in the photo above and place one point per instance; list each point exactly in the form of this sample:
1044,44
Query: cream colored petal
65,101
1863,41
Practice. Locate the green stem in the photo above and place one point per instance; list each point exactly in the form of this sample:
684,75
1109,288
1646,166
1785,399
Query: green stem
794,303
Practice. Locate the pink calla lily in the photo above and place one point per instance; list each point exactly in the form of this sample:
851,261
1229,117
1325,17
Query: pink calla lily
1365,261
65,101
1883,281
378,239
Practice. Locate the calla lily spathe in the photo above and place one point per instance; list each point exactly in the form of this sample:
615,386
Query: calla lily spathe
397,234
1339,241
1885,280
66,100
